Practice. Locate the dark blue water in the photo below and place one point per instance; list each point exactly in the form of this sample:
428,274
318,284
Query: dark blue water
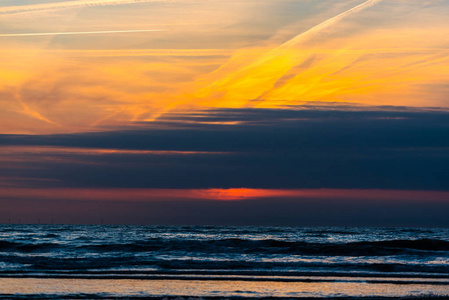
132,251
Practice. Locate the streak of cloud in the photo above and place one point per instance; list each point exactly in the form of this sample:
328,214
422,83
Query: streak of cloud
33,113
70,4
78,32
267,68
125,52
326,24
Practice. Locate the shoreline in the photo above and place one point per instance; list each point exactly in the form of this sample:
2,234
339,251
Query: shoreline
60,288
250,278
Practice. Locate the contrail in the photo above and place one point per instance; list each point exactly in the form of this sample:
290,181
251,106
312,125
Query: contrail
245,77
77,32
70,4
304,36
32,113
329,22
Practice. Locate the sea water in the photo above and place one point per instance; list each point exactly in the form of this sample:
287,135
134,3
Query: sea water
58,261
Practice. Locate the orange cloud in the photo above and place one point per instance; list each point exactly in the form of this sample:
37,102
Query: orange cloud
25,150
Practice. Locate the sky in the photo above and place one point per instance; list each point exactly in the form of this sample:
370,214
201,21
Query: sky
225,112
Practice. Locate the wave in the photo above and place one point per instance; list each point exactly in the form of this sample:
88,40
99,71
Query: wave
6,246
237,245
140,265
420,244
375,248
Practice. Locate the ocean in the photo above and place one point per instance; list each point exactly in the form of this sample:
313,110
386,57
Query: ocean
152,262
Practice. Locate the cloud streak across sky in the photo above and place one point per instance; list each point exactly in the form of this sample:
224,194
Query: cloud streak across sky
281,59
77,33
72,4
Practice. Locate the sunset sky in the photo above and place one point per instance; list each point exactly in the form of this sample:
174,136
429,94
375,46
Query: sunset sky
230,112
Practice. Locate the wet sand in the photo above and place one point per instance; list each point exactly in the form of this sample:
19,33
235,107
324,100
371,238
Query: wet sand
57,288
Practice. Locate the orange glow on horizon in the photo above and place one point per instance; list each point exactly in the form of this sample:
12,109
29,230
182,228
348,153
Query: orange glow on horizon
232,194
246,193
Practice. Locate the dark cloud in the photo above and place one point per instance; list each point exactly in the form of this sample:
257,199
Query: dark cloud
384,148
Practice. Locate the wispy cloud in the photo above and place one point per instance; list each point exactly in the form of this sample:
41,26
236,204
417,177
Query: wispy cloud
70,4
33,113
349,52
268,67
326,24
78,32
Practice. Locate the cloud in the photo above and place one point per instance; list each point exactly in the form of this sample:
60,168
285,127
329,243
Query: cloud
267,68
300,38
78,32
338,60
322,166
121,86
72,4
365,55
385,148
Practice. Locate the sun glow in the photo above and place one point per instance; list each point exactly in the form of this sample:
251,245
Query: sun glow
214,194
